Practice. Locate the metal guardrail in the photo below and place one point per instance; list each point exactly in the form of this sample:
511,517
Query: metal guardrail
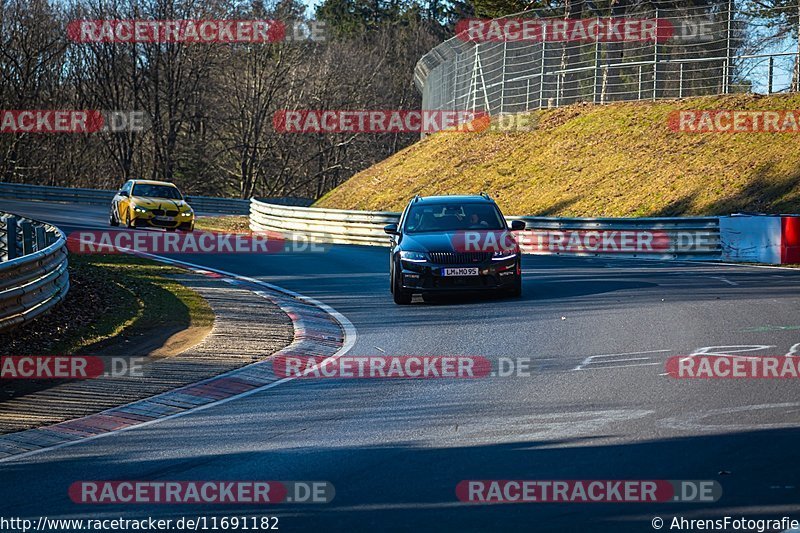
695,238
204,204
33,269
337,226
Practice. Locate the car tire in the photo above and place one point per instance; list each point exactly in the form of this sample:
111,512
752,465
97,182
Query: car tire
516,291
112,218
400,295
128,222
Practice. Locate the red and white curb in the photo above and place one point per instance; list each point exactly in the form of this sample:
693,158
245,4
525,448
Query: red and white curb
319,330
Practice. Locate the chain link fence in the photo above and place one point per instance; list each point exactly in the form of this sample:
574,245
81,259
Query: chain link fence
717,48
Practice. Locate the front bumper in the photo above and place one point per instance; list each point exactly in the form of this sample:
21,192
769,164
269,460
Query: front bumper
148,220
428,277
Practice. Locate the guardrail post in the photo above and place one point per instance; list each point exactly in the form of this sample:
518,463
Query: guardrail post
11,238
41,238
27,238
680,82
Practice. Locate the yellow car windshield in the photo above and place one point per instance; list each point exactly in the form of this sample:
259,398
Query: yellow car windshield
156,191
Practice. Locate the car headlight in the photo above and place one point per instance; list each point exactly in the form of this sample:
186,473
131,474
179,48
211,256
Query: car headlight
502,255
140,209
414,257
187,214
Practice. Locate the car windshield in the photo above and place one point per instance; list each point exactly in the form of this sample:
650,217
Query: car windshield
156,191
422,218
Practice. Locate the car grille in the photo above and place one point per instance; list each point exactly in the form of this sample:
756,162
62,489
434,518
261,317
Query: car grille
161,213
163,223
458,258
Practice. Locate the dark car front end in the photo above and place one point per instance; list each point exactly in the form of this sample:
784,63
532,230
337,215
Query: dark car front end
440,269
448,254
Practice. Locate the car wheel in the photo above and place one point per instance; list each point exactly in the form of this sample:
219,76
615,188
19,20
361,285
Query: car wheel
112,218
128,221
400,295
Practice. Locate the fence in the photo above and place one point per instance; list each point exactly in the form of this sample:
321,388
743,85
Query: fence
664,238
716,49
33,269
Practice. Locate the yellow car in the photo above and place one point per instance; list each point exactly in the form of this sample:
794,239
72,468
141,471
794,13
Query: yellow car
156,204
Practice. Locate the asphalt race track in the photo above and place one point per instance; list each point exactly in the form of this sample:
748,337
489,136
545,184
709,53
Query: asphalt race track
595,406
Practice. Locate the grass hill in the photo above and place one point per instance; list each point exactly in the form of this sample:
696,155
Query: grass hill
598,160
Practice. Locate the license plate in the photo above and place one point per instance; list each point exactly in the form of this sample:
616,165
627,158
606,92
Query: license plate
460,271
165,219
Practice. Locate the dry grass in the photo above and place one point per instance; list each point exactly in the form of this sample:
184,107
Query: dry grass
585,160
226,223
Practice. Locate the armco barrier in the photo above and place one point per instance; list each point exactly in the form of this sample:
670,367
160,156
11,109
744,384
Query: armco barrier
203,204
33,269
696,238
745,238
335,226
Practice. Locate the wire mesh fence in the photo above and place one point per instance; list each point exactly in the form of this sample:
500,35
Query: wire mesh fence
550,58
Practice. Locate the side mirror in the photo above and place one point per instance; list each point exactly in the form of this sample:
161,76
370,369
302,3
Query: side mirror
517,225
123,193
391,229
